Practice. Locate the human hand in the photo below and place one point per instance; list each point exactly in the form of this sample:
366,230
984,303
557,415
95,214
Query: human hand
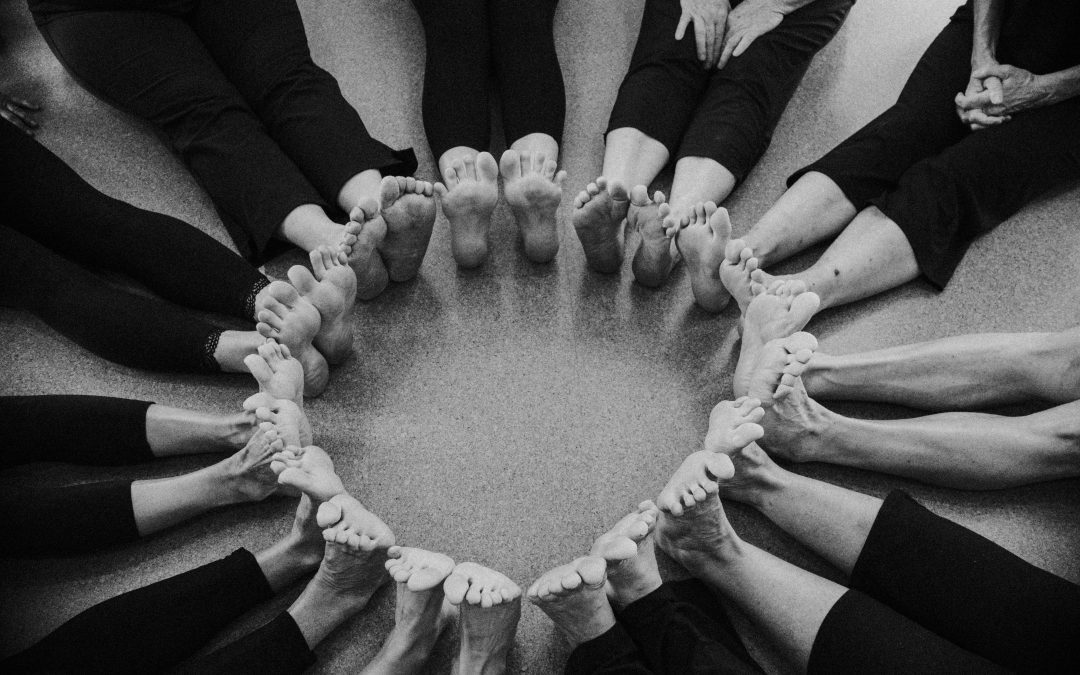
746,23
970,104
710,20
17,111
1007,90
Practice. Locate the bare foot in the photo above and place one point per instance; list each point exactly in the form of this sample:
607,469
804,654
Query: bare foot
796,425
309,470
285,416
777,357
734,424
408,207
489,605
573,596
277,372
332,290
294,322
248,473
628,552
421,614
735,272
652,218
364,233
693,528
702,243
782,311
599,210
468,200
533,192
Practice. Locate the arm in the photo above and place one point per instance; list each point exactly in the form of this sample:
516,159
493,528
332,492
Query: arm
985,36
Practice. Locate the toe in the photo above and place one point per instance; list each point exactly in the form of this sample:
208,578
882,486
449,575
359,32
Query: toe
486,168
510,165
301,278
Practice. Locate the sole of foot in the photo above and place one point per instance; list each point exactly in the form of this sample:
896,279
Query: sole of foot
692,524
736,269
332,290
468,195
653,220
574,598
364,234
702,243
778,313
599,211
294,322
309,470
285,416
778,363
489,606
628,552
533,187
734,424
277,372
408,208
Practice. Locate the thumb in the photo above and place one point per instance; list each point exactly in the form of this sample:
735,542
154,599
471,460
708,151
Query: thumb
993,86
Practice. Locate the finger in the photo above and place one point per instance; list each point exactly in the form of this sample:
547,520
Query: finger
744,44
699,36
730,40
719,29
17,121
979,100
710,37
980,117
23,103
684,20
994,89
25,117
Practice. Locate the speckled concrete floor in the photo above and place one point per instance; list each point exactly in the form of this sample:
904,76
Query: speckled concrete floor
509,415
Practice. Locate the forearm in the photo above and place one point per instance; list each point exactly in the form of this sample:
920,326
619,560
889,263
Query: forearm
1062,85
987,26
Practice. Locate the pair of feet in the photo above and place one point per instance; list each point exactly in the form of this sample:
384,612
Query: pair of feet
360,556
532,184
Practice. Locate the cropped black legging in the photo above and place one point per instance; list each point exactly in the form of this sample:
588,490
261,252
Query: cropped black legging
53,225
471,41
159,627
232,85
88,430
727,115
940,182
927,596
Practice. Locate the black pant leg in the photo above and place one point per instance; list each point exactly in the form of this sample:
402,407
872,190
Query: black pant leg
113,323
47,201
261,46
682,628
457,74
920,124
969,590
151,628
95,430
613,653
278,648
152,65
665,81
70,519
860,635
743,103
527,68
945,202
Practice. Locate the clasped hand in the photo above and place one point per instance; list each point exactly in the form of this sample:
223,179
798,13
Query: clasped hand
721,32
996,92
18,112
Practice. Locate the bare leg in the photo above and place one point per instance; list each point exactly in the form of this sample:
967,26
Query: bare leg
789,603
955,373
352,568
960,450
633,158
361,188
243,477
233,347
175,431
298,553
871,256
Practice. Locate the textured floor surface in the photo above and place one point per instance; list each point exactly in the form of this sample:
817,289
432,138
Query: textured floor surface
509,415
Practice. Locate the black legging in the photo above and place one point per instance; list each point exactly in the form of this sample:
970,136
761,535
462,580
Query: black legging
931,596
159,626
943,184
89,430
53,223
232,85
727,115
678,628
468,42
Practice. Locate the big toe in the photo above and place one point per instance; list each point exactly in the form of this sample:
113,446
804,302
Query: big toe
302,279
486,168
283,293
